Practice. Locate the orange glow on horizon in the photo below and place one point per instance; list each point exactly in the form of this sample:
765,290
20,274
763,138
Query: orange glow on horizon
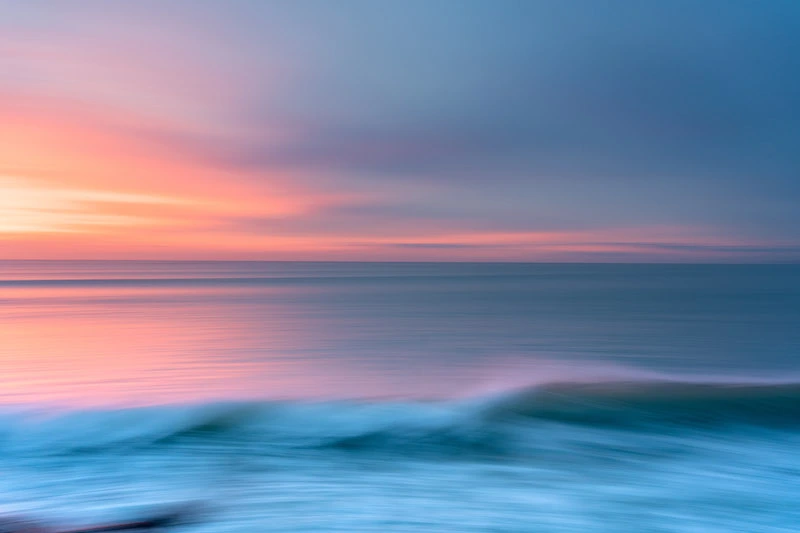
80,182
72,181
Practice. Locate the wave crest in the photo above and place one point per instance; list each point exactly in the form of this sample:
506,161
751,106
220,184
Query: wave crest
502,424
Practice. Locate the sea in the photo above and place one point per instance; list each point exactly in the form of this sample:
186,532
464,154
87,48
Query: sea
402,397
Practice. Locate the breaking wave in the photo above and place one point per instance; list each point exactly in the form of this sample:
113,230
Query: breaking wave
509,423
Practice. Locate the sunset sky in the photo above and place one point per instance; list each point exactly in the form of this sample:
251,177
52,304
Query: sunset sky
519,130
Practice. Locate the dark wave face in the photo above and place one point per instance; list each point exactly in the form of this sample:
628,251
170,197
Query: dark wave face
652,404
512,424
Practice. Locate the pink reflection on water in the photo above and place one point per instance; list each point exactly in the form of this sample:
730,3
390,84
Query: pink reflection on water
137,346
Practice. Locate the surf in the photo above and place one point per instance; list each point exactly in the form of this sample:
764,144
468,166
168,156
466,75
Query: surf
496,424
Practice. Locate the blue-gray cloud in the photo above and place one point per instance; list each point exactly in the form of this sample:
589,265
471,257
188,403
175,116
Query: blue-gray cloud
661,112
578,89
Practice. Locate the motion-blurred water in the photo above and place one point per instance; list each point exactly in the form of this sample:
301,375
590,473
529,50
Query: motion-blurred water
404,397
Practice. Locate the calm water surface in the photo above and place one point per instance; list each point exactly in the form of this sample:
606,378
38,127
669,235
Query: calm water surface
99,332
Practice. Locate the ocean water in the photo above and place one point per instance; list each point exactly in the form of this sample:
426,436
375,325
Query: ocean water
403,397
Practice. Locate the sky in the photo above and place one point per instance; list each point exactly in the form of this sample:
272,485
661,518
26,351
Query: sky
388,130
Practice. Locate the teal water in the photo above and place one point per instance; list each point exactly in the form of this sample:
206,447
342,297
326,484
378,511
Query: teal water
404,397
